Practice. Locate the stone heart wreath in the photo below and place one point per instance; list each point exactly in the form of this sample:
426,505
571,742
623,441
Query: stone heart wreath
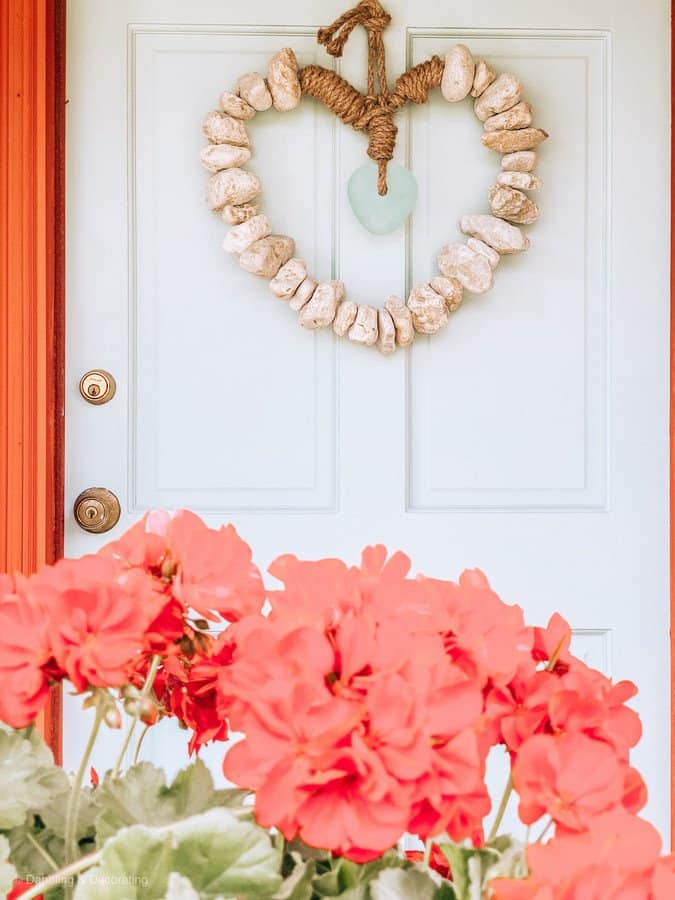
469,266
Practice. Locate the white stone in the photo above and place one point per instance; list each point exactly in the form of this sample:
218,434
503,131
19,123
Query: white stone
519,116
524,181
321,309
450,290
471,269
239,237
429,311
512,141
502,94
458,73
216,157
481,247
344,317
288,279
235,106
231,186
386,332
222,129
509,203
283,81
235,215
497,233
364,329
520,161
402,319
303,294
484,76
253,89
266,256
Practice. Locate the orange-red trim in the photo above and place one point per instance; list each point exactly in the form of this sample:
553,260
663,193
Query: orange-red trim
672,439
32,126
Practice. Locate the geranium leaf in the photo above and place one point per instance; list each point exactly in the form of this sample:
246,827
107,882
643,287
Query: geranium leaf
28,777
351,881
32,847
142,797
469,867
298,884
225,856
411,884
7,870
215,855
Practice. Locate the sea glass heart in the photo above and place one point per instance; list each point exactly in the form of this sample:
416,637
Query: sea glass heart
377,214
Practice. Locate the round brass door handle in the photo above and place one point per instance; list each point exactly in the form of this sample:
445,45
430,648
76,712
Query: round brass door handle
97,510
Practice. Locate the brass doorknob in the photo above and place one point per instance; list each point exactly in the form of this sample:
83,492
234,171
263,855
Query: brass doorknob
97,510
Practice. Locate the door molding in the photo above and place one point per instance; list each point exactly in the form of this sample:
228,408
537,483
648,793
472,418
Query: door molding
32,132
32,302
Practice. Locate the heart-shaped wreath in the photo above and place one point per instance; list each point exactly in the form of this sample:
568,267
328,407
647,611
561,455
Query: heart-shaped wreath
469,266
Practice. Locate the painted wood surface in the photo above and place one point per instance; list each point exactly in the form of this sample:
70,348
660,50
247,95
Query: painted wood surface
31,289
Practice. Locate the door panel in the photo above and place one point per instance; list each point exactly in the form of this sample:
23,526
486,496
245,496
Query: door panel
529,438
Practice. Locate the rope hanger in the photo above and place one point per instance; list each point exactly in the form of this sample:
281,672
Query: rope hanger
373,111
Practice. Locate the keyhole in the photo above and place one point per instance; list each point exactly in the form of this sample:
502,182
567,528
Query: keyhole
91,512
94,390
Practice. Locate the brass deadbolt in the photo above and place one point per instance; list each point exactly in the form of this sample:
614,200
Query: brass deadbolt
97,386
97,510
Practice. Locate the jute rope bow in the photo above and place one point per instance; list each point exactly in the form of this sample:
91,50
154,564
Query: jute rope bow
373,111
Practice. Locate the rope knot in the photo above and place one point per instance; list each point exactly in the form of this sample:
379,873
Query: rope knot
368,13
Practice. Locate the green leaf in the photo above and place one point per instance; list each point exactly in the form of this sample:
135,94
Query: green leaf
406,884
298,884
135,864
141,797
351,881
7,870
180,888
28,777
469,867
225,856
32,845
215,854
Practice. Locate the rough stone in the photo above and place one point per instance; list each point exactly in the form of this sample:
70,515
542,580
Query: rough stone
484,77
288,279
458,73
283,81
231,186
364,329
429,311
235,215
509,203
344,317
497,233
266,256
471,269
235,106
239,237
386,332
450,290
481,247
519,116
512,141
320,311
222,129
501,95
253,89
520,161
524,181
402,319
217,157
303,294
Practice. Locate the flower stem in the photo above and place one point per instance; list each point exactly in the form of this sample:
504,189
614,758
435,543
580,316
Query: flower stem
508,790
58,879
48,858
73,809
544,832
139,744
427,851
145,693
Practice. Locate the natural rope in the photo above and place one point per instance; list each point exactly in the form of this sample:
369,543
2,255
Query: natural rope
374,111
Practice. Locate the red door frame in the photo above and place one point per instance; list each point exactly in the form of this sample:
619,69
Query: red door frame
32,301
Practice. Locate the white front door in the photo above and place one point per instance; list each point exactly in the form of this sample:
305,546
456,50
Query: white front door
529,438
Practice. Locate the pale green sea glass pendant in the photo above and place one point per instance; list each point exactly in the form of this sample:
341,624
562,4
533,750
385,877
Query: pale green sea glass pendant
377,214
